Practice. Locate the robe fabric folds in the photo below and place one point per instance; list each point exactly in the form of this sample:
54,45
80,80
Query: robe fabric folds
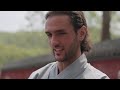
79,69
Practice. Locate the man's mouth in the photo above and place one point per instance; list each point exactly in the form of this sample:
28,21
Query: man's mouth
58,51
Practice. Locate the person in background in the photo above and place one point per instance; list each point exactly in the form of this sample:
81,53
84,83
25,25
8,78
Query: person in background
67,33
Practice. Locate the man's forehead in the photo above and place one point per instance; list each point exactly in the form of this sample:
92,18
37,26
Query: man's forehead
55,31
57,22
58,18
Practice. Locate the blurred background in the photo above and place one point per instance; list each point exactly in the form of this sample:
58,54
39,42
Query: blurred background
24,46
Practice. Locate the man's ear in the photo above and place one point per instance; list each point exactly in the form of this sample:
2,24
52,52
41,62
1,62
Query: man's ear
82,33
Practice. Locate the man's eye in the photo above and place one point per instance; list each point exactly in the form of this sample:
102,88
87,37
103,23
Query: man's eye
62,33
49,35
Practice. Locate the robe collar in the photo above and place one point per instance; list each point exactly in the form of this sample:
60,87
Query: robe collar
73,70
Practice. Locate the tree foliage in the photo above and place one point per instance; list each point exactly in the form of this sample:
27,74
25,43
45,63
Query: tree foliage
19,45
35,19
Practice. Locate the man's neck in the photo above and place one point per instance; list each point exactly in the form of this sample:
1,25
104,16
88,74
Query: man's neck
63,65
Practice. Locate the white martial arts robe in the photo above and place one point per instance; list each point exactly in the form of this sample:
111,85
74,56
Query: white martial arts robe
79,69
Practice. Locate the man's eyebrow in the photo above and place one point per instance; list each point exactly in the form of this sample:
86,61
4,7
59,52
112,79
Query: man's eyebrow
61,30
57,31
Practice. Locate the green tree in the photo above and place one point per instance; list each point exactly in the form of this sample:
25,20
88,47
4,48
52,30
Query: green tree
106,19
35,19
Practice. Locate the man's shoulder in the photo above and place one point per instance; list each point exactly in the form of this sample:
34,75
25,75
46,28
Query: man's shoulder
44,68
93,73
41,71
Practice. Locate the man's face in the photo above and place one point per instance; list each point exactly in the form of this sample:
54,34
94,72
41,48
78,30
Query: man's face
62,38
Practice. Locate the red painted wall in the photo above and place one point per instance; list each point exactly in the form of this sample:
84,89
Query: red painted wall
17,74
110,67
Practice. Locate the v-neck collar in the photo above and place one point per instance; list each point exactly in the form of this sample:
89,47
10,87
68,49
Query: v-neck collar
73,70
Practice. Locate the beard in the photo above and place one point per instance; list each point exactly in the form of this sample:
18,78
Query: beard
71,53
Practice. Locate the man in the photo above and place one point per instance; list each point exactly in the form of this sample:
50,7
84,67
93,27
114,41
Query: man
68,37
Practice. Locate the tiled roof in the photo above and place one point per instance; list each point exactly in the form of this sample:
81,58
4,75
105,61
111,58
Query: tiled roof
33,62
107,49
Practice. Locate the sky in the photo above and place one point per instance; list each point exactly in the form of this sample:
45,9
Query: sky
11,21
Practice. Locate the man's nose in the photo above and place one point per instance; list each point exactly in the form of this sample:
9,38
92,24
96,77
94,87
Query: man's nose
54,41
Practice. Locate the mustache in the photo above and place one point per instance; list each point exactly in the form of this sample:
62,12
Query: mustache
57,46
